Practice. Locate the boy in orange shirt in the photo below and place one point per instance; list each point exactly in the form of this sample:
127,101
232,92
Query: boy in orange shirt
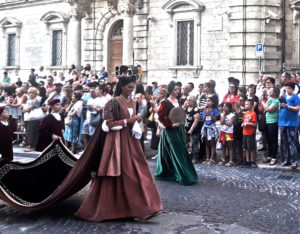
249,129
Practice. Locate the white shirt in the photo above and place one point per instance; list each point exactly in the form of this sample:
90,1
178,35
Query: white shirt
227,119
77,108
98,102
42,74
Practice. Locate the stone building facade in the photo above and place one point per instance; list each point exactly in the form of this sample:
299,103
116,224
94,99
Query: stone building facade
187,40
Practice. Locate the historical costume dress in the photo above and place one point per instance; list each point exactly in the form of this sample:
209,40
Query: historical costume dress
173,162
52,124
6,138
123,186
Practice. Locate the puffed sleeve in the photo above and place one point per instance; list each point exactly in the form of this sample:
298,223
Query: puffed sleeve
109,116
163,114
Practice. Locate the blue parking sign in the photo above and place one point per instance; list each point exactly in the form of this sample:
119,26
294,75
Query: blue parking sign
259,50
259,47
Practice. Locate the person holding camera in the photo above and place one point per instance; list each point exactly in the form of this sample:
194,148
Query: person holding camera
289,124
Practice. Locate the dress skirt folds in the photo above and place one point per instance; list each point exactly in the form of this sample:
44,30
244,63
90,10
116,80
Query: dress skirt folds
173,162
123,186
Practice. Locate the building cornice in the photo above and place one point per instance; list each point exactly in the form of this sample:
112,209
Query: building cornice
26,3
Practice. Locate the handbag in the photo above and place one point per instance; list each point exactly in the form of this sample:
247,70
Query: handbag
36,114
151,122
68,120
95,118
262,124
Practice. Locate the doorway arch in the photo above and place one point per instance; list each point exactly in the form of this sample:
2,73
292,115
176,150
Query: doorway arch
115,49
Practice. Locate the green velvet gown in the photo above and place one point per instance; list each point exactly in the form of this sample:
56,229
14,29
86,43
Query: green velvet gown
173,162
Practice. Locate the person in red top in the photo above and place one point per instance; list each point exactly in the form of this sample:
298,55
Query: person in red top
232,95
49,86
249,129
173,161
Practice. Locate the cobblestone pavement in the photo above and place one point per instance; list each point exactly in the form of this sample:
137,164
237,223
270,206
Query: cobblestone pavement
225,200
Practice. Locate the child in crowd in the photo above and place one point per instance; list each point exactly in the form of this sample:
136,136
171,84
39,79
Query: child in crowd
192,128
249,129
238,130
209,130
226,134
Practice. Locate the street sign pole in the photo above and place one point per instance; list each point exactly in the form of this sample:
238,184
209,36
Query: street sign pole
259,51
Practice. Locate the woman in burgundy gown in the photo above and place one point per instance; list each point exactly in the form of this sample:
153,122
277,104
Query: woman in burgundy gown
51,127
123,186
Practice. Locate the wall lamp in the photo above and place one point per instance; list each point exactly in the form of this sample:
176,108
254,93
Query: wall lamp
272,16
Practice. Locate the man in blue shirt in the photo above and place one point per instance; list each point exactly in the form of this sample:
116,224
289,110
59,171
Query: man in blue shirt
155,88
103,74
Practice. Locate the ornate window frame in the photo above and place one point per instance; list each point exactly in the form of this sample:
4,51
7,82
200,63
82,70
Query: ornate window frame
11,25
55,21
185,10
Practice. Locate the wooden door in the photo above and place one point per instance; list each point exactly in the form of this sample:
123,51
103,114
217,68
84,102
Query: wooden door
116,52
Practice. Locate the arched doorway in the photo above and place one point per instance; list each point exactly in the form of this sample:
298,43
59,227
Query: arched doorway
115,49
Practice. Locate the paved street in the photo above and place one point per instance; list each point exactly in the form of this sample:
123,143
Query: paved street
225,200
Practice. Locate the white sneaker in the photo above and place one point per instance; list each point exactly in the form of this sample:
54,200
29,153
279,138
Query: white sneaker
154,157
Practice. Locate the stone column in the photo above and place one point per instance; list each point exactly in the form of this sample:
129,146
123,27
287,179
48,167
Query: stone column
74,38
126,7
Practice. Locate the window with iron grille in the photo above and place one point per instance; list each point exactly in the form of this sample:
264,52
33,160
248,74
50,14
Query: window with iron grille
57,48
185,43
11,50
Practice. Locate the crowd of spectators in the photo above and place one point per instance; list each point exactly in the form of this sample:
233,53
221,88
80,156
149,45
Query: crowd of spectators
232,120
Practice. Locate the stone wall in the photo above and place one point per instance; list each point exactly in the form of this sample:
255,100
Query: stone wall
33,36
213,42
226,34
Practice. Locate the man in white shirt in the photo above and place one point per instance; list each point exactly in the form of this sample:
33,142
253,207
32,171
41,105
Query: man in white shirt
57,94
41,74
285,77
95,104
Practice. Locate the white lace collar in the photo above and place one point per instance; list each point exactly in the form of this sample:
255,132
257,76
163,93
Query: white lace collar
56,116
4,122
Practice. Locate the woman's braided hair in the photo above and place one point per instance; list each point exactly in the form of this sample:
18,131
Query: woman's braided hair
123,80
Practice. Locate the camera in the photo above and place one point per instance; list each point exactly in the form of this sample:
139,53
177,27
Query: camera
282,100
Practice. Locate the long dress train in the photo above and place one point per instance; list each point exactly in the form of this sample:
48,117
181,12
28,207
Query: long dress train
124,186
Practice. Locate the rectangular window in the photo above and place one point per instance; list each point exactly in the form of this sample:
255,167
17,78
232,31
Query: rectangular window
11,50
185,43
57,48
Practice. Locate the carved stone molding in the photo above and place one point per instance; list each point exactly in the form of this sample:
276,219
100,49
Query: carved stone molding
172,6
112,4
79,8
127,7
295,6
76,13
52,17
8,22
